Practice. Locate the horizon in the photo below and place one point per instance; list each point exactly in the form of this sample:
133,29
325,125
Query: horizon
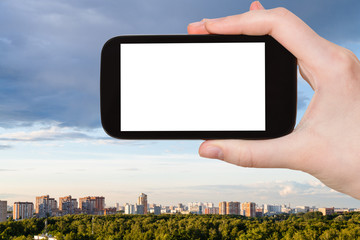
288,204
51,139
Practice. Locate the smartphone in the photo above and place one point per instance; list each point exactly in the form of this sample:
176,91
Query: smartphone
197,87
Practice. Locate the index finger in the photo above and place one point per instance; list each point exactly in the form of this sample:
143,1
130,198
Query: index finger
284,26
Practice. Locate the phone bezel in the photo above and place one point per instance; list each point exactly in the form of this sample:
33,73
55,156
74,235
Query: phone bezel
280,88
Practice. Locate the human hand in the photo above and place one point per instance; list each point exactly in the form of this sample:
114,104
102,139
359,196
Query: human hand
326,142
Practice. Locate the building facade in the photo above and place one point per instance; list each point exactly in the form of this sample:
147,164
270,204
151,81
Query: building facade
248,209
140,209
92,205
211,210
222,208
327,211
142,200
129,209
23,210
68,205
45,206
233,208
3,210
109,211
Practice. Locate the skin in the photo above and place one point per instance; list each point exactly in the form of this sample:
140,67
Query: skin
326,142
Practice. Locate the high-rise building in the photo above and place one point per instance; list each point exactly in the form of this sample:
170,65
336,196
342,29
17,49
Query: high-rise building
45,206
222,208
233,208
140,209
211,210
92,205
68,205
142,200
326,211
23,210
3,210
248,209
157,210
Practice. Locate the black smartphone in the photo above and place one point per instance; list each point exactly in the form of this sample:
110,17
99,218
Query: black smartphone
197,87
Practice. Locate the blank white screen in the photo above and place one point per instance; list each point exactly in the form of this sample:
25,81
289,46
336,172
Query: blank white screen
192,87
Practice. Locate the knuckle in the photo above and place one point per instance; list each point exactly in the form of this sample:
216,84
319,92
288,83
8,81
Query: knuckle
281,12
245,158
346,60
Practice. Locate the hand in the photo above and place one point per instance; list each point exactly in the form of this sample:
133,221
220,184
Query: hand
326,142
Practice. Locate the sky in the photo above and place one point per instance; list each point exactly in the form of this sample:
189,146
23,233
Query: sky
51,140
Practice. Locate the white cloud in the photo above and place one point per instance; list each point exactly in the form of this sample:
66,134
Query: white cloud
43,132
286,191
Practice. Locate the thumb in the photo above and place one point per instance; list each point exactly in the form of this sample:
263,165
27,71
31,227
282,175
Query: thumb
283,152
256,6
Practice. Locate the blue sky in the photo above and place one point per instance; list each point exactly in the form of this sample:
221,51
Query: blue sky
51,141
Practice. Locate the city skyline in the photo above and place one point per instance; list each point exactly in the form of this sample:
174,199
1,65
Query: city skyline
143,199
46,206
51,140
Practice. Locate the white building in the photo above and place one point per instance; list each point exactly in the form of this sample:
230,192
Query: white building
301,209
272,209
129,208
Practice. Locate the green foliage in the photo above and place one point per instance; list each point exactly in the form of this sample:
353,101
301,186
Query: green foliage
163,227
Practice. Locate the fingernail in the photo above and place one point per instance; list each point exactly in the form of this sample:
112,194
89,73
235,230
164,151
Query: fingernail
212,152
259,5
197,24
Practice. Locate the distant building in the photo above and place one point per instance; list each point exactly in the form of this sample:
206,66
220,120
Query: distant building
270,210
222,208
259,212
45,206
157,210
196,207
109,211
180,207
233,208
23,210
211,210
341,210
154,209
326,211
129,209
139,209
3,210
248,209
68,205
92,205
301,209
142,200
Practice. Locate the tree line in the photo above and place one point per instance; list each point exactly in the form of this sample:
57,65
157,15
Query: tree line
312,225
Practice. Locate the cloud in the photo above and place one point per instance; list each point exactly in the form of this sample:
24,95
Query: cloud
50,133
263,191
4,147
54,134
7,170
129,169
287,190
